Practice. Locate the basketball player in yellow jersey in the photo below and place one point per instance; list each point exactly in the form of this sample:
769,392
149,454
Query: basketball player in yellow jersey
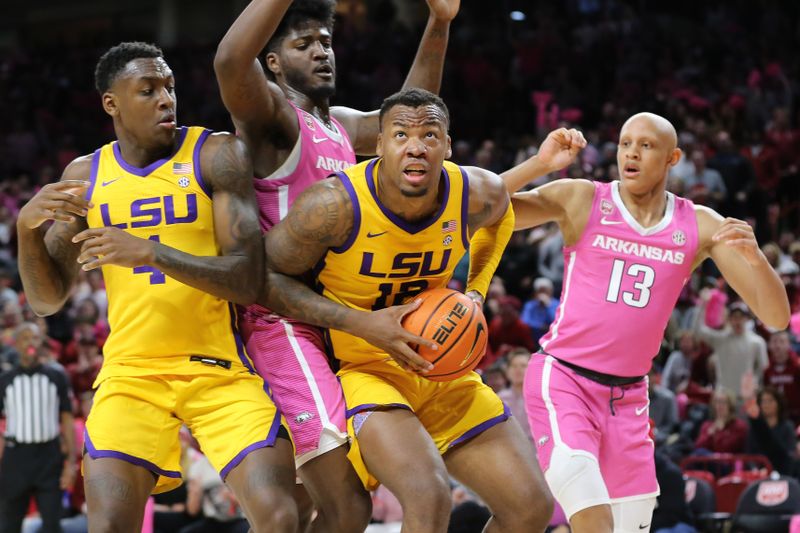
168,213
379,233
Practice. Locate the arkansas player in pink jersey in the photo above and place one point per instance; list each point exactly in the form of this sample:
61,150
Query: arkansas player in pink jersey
630,246
296,139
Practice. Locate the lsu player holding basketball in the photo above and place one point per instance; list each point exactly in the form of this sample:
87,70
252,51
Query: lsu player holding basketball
168,213
377,234
296,139
630,246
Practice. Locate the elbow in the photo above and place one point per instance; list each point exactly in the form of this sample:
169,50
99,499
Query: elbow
779,322
225,60
43,309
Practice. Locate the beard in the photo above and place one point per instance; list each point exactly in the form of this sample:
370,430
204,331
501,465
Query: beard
416,193
316,92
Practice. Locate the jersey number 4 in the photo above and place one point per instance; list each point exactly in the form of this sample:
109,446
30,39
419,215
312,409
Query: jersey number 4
156,276
643,278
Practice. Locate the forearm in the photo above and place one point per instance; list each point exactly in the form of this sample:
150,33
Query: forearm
294,299
249,34
426,71
68,434
235,278
42,280
486,250
517,177
769,302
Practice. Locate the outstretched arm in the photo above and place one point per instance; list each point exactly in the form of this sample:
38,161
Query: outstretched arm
558,150
47,258
733,247
425,73
321,218
236,273
257,105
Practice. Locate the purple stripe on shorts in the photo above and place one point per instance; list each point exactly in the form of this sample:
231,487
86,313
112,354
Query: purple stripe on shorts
269,441
99,454
483,426
366,406
238,338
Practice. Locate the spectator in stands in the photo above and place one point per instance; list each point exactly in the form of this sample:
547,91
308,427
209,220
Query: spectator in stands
663,408
507,331
84,371
678,368
704,185
207,494
512,395
783,372
495,376
551,258
540,311
672,513
771,434
724,433
737,350
737,175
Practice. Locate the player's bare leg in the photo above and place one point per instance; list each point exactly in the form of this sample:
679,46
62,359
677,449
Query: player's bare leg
597,519
116,493
500,466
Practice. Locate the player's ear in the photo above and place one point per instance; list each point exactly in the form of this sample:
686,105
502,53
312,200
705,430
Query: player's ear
379,145
273,62
674,157
449,152
110,104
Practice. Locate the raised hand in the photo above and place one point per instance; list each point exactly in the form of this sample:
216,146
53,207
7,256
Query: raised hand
561,147
385,331
61,201
444,9
739,235
112,246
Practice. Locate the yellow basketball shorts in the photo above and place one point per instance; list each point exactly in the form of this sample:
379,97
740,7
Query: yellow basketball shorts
137,419
452,412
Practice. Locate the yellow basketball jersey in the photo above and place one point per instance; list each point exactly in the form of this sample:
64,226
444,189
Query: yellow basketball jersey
158,323
387,260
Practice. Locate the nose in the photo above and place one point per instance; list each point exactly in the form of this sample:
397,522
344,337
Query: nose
165,99
319,51
415,147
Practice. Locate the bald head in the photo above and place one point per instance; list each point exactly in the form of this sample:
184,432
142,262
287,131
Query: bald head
658,126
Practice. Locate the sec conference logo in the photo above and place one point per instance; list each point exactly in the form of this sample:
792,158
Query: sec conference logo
679,237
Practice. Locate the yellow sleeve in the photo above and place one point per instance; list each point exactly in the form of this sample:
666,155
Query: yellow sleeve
485,250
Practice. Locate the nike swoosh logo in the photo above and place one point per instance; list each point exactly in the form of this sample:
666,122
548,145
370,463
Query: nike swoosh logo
318,140
478,332
604,221
644,526
638,412
371,235
109,182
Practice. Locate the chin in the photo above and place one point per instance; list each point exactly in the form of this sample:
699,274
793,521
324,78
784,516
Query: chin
414,193
319,92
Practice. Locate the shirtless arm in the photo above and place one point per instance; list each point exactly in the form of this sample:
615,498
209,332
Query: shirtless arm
321,218
236,274
46,259
425,73
557,151
731,244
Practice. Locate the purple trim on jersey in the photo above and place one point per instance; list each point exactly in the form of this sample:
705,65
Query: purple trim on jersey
238,338
266,443
93,173
146,171
483,426
371,406
348,185
94,453
198,173
464,207
415,227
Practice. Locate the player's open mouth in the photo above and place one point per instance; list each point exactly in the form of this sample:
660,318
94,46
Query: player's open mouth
631,171
415,173
324,71
168,122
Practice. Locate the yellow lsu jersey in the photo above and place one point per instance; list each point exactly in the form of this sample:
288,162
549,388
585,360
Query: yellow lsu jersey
157,323
387,260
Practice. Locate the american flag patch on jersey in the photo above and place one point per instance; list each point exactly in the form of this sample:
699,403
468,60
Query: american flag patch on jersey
449,226
181,168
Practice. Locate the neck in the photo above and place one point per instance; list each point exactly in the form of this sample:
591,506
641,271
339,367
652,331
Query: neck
648,207
137,155
319,108
772,421
411,209
517,387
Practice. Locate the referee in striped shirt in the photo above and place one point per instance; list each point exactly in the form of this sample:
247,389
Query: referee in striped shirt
39,453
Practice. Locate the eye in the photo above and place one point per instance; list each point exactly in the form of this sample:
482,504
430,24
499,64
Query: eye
399,134
431,135
645,145
146,92
625,144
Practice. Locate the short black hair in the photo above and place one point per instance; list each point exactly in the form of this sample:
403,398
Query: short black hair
299,13
414,98
115,59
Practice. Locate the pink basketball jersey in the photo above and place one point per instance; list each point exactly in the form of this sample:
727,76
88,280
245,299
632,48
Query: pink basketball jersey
318,153
621,282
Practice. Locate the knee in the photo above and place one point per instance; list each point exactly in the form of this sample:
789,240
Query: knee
273,515
529,508
105,521
352,512
427,497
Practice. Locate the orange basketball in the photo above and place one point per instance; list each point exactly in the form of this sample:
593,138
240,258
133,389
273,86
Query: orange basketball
454,322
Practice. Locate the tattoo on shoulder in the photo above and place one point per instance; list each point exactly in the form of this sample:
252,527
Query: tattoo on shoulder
326,217
229,166
478,220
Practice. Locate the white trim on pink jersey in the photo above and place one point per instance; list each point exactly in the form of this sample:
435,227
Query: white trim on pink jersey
283,201
553,416
632,222
562,307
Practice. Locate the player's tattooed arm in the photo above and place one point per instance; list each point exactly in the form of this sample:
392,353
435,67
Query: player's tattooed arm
425,73
321,218
235,274
46,259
